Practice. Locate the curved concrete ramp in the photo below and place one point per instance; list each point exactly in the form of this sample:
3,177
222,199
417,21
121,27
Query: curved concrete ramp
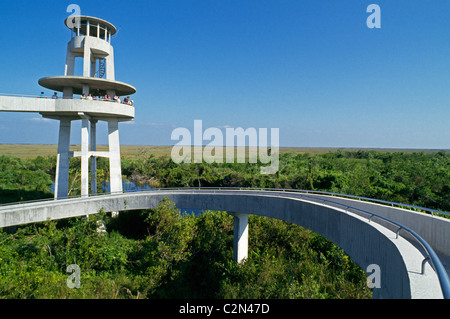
367,243
434,229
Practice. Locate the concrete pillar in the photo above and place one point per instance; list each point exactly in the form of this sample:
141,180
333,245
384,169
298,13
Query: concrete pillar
84,157
93,158
70,62
86,58
115,169
62,161
93,67
110,73
86,90
240,240
68,93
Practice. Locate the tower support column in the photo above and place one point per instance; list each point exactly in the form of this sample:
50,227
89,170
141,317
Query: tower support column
115,169
87,58
93,67
70,62
62,162
110,72
84,157
93,158
68,93
86,90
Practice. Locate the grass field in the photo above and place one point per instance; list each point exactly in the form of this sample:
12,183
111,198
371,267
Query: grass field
132,151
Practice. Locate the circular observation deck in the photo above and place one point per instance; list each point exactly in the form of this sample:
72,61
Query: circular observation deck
97,86
90,26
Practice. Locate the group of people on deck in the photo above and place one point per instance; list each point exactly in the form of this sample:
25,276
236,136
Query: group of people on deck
125,100
107,97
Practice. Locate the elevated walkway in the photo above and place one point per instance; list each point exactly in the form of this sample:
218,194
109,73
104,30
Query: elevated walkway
409,266
70,108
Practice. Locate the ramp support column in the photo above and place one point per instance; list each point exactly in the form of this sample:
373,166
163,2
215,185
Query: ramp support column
240,241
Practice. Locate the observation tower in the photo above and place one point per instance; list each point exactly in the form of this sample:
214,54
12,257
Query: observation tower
91,43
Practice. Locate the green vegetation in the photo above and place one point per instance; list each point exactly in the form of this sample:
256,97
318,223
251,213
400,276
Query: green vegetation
22,180
171,255
161,253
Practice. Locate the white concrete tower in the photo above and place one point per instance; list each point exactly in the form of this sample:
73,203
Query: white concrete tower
91,43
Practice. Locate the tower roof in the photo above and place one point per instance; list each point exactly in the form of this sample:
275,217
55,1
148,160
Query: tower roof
92,21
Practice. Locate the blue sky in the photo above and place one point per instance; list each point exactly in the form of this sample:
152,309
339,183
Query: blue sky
311,68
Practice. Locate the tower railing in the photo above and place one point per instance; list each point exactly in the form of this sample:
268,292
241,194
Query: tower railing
100,98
